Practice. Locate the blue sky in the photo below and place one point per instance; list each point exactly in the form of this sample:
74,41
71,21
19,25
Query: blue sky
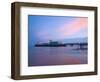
45,28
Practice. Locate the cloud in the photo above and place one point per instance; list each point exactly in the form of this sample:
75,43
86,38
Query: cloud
73,27
65,30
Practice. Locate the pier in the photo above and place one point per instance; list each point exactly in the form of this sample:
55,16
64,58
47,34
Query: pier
81,45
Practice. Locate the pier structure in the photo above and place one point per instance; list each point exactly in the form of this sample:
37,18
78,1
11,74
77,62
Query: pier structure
81,45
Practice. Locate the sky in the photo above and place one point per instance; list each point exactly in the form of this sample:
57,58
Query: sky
57,28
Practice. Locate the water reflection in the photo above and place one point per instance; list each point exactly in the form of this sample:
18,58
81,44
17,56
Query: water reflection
43,56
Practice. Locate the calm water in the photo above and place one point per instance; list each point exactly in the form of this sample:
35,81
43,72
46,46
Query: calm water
43,56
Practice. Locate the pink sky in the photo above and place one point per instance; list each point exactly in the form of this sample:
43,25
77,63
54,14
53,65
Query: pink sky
73,27
68,29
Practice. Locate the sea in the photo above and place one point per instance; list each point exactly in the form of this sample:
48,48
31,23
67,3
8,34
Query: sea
49,56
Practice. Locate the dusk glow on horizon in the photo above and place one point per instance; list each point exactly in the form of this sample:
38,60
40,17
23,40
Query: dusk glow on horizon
45,28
